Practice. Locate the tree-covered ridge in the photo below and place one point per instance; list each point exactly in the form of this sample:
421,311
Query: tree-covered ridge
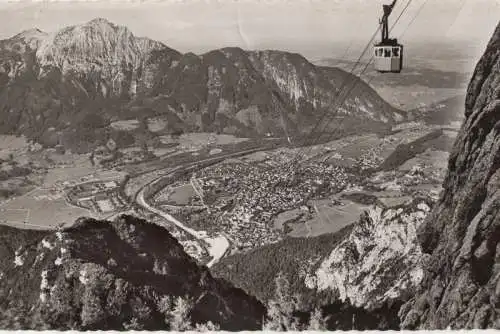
124,274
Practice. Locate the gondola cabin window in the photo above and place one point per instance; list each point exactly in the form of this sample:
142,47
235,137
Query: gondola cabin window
388,58
388,52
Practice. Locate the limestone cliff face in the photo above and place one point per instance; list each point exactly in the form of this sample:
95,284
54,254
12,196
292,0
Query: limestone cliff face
17,54
309,87
109,53
378,262
461,236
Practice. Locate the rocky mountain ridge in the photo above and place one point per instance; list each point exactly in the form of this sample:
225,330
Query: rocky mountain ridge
378,262
51,81
461,237
100,48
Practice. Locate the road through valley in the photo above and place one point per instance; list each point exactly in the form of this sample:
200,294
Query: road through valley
217,245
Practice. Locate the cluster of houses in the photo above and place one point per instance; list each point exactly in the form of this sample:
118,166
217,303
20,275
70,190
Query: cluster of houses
258,195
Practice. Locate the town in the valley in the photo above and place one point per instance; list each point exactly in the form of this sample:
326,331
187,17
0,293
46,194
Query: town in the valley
220,194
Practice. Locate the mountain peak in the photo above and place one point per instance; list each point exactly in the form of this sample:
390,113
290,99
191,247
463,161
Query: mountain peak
101,20
92,44
31,37
34,32
102,24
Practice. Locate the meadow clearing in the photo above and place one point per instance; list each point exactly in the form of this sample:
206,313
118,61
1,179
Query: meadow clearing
41,208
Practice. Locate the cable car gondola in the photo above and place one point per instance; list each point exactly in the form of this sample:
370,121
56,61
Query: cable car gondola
388,53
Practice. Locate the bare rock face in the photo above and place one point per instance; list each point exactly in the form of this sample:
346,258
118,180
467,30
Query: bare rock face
17,54
110,53
380,260
461,236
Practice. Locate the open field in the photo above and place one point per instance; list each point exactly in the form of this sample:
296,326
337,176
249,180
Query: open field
44,209
74,175
430,160
162,151
416,96
256,157
14,215
329,218
125,125
182,195
371,150
10,144
196,141
286,216
436,140
390,202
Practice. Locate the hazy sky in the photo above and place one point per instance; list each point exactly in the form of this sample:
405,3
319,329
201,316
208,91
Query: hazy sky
315,28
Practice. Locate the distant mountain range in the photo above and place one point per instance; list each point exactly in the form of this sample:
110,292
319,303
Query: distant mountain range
68,86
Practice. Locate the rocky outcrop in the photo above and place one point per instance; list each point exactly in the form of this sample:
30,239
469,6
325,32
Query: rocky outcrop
125,274
369,267
379,261
461,237
110,54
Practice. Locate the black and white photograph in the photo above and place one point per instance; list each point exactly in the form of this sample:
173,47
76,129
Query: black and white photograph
249,165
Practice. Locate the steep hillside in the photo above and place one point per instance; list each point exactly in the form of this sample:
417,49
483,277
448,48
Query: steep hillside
370,266
461,236
96,73
125,274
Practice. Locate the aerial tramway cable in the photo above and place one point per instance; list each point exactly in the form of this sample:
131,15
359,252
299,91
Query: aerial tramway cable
340,90
357,82
414,17
300,154
406,29
345,82
418,12
371,59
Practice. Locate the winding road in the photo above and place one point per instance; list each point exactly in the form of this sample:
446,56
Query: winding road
218,245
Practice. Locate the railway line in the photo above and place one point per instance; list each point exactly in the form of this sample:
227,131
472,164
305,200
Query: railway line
218,245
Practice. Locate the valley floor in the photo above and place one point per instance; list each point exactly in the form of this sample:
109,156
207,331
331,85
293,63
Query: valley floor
239,197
